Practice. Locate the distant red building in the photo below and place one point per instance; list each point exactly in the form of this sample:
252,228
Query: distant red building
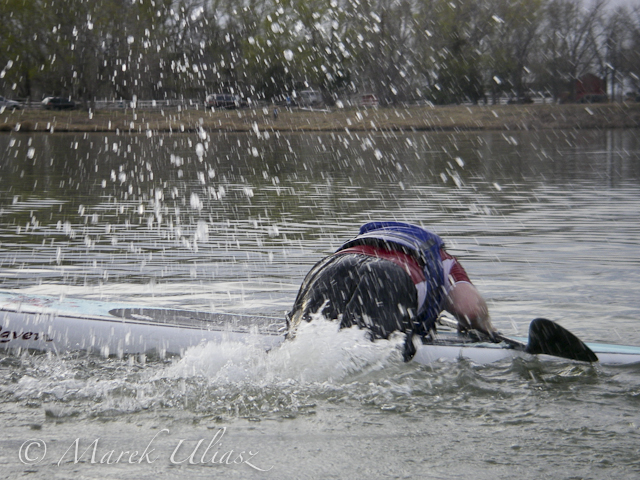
591,89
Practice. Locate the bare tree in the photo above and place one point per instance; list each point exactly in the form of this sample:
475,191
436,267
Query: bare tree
512,43
568,44
631,54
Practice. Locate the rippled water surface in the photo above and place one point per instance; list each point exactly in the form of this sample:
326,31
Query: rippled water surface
546,223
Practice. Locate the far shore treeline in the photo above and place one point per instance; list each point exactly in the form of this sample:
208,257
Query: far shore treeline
437,51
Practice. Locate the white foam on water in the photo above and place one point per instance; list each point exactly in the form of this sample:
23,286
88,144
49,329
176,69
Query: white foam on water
320,352
321,356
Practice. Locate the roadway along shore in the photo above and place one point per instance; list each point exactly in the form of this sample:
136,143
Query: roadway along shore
394,118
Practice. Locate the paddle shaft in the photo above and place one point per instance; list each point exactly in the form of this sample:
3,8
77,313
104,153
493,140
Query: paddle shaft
497,337
545,337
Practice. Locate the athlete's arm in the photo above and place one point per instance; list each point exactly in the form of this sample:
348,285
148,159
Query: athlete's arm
466,304
463,300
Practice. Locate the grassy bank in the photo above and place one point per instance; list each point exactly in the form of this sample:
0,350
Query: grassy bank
418,118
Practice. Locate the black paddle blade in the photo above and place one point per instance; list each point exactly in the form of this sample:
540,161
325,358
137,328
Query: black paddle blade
549,338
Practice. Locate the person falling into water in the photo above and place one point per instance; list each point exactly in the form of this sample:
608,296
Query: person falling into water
392,276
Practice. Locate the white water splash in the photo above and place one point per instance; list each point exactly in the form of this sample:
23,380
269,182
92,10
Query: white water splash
319,353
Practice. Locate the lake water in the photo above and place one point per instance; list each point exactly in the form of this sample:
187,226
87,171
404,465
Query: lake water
546,223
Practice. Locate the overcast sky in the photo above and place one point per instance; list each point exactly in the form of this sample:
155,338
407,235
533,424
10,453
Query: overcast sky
616,3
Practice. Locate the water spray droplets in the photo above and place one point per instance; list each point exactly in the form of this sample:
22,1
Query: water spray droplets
200,151
196,202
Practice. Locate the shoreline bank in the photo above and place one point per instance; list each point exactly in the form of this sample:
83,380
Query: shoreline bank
410,118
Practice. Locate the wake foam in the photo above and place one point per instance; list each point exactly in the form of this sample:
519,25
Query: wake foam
320,352
225,378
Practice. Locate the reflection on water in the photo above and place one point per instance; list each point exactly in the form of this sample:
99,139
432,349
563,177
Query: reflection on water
547,224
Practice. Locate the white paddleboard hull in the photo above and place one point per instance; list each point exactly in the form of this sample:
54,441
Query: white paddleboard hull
41,323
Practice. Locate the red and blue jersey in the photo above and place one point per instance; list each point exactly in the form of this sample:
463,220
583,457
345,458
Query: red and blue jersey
421,254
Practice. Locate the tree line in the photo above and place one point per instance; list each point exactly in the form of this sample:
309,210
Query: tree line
442,51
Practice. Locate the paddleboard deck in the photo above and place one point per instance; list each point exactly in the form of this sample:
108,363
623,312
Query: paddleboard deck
62,325
44,323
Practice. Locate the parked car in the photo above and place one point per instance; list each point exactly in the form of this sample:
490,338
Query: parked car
593,98
58,103
310,98
368,100
521,100
223,100
283,100
11,104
